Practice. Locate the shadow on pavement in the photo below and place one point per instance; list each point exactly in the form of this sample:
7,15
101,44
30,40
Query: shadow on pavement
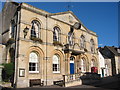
111,82
89,82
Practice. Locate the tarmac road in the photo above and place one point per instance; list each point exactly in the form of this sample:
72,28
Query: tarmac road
79,87
109,83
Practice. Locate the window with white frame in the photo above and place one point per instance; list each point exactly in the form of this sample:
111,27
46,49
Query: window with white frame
33,62
71,38
35,30
82,41
56,34
92,46
56,63
83,65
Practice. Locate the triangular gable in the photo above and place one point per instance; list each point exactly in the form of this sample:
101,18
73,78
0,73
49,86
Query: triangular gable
68,17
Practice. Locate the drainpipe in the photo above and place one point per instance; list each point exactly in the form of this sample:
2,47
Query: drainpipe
17,48
46,46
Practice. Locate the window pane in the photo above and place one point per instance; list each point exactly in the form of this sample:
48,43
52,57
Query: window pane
33,62
92,45
83,64
33,57
35,30
56,63
56,33
71,38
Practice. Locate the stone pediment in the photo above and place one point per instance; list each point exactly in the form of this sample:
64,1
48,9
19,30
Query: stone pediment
68,17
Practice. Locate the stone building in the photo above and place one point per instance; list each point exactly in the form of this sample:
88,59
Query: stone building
1,60
102,65
45,45
112,59
105,65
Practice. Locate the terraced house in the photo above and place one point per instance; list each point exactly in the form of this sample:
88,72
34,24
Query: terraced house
46,47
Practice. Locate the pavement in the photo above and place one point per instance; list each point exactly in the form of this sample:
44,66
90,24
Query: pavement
54,87
109,83
59,88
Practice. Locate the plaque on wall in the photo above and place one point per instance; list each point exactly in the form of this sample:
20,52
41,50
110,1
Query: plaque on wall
21,72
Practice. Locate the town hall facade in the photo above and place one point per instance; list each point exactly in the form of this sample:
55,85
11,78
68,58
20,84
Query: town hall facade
46,46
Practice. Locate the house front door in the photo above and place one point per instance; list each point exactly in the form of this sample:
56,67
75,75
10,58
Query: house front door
71,68
72,65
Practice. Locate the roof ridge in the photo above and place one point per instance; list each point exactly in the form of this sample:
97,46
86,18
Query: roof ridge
61,13
35,7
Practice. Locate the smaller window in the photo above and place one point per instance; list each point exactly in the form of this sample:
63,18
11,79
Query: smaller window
56,64
72,58
33,63
92,46
56,34
83,65
71,38
82,41
35,30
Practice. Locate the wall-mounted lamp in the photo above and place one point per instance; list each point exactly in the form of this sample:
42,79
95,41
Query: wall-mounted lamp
25,31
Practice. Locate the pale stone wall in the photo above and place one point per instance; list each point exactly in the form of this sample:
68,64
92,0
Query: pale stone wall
0,62
74,83
2,48
117,63
47,49
108,67
1,54
26,46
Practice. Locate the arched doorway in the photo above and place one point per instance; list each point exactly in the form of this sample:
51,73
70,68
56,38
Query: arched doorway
72,67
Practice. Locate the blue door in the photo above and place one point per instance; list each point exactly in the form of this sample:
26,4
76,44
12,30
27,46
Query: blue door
71,68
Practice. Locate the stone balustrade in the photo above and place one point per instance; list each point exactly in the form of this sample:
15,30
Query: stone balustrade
72,79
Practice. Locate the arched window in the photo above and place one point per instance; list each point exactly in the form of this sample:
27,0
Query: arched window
83,65
71,38
56,34
35,30
56,63
92,63
92,46
33,62
82,41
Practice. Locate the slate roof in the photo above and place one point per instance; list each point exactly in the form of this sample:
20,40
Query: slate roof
105,56
113,50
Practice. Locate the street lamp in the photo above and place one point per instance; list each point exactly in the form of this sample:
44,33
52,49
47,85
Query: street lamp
25,31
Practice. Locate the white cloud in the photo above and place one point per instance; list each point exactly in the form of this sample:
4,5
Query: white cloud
100,44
